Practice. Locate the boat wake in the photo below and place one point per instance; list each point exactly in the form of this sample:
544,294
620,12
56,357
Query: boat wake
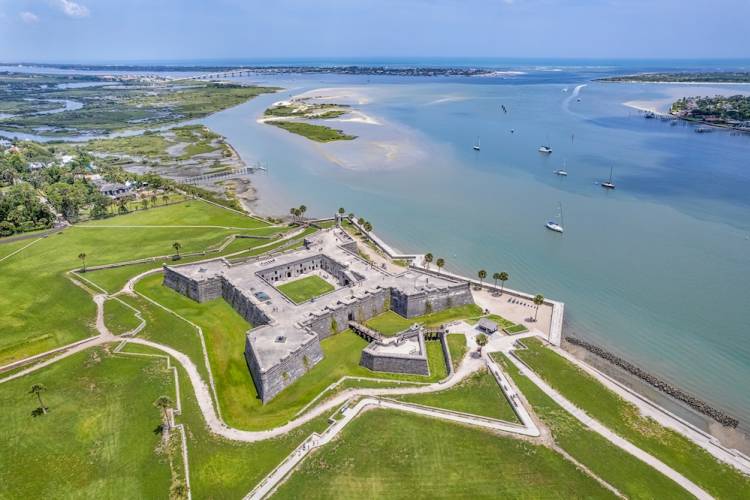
572,97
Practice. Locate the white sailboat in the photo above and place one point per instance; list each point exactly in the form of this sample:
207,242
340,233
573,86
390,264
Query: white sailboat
546,149
553,225
562,171
477,145
609,184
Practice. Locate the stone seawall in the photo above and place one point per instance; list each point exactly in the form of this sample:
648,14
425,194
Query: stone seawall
659,384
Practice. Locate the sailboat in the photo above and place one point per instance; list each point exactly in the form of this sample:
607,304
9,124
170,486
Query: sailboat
609,184
477,145
545,149
553,225
562,171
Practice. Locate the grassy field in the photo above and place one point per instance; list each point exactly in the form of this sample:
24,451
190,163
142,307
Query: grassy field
587,393
457,347
628,474
98,439
34,322
387,454
306,288
479,394
118,317
318,133
389,323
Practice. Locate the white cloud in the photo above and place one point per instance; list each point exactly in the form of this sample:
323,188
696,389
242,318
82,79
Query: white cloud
29,17
72,9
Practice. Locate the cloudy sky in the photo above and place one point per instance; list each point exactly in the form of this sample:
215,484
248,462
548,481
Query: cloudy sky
173,30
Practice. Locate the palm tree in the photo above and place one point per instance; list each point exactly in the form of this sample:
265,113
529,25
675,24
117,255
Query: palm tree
481,339
503,278
176,245
82,256
38,389
165,198
440,263
154,199
341,211
428,259
482,274
538,301
351,216
368,226
144,203
164,403
360,221
293,212
496,276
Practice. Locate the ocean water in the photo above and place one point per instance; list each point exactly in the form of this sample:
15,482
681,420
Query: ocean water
656,271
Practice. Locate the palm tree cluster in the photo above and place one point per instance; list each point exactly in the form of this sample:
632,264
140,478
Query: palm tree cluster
297,212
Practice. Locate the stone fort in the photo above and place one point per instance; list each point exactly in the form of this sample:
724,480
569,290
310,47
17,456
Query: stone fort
284,342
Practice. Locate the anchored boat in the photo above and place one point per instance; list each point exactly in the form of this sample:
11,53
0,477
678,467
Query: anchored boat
609,184
553,225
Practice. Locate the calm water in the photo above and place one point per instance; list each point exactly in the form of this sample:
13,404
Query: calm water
657,270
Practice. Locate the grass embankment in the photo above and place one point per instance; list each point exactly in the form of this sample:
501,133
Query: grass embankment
118,317
304,289
504,324
388,454
479,394
35,322
99,439
629,475
583,390
457,347
318,133
390,323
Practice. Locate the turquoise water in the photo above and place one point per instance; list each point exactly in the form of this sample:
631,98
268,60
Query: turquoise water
657,270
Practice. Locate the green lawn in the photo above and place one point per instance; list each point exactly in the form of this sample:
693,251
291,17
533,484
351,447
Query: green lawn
628,474
118,317
512,330
98,439
34,322
680,453
457,347
318,133
304,289
388,454
479,394
389,323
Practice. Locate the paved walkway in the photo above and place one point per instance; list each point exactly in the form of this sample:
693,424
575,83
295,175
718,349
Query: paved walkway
609,435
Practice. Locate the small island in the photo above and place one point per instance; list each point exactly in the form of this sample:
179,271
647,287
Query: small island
732,111
683,77
290,116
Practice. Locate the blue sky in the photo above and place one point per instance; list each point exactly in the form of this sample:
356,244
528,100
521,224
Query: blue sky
142,30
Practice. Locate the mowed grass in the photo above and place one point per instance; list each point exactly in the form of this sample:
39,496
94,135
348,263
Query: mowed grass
220,468
98,439
390,323
304,289
388,454
629,475
457,347
118,317
722,481
43,309
478,394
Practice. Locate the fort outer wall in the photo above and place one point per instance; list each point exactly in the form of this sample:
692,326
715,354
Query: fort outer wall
429,301
335,319
284,373
396,363
198,290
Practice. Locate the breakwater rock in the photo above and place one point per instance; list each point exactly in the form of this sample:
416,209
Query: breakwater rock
656,382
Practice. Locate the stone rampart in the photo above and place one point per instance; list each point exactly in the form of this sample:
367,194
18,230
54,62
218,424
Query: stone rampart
295,364
410,305
336,318
198,290
243,304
